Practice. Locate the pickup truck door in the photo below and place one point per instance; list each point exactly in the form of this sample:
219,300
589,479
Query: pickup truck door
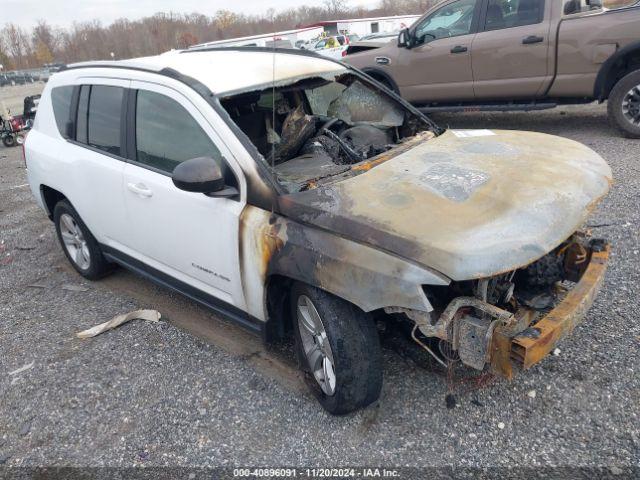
510,52
191,237
438,66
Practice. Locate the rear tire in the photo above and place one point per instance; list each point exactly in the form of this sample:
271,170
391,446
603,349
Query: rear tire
624,105
80,247
345,336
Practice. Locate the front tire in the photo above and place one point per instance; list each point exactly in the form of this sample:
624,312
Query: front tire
79,246
624,105
338,346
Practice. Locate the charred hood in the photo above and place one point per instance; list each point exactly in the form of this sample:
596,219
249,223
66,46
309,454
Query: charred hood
470,204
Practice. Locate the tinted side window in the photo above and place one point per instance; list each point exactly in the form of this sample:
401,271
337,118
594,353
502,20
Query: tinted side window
61,100
513,13
103,126
166,134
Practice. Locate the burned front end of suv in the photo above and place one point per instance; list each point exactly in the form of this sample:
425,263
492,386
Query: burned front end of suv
474,237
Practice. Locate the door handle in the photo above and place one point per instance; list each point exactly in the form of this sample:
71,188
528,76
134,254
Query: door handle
459,49
532,39
140,189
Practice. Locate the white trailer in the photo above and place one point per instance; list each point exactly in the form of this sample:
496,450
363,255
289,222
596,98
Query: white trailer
268,39
367,26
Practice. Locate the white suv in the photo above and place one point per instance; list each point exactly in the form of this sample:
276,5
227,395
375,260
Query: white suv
309,199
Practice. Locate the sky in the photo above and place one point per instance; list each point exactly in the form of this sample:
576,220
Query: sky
64,12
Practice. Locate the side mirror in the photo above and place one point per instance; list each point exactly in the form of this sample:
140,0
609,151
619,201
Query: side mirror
404,38
571,7
202,175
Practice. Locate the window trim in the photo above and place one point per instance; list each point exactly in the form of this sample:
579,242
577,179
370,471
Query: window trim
482,25
475,22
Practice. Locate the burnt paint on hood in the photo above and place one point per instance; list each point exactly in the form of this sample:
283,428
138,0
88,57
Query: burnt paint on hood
467,206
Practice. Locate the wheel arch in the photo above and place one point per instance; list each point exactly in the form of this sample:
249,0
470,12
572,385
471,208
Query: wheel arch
620,64
50,197
383,77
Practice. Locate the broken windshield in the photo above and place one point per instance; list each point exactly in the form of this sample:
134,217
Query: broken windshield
320,127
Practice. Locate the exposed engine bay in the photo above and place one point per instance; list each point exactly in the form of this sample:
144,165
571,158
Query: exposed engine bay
470,317
319,127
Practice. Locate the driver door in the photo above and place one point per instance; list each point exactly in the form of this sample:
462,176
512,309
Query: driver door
438,66
191,237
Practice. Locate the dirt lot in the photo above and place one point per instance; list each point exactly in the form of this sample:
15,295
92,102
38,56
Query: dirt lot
195,391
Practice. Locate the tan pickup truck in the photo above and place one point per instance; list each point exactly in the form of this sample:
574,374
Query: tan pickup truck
499,55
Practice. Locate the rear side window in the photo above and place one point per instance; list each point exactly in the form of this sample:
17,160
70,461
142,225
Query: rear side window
167,135
513,13
61,99
103,126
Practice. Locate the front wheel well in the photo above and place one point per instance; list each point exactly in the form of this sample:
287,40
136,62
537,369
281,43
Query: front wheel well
51,197
383,78
280,324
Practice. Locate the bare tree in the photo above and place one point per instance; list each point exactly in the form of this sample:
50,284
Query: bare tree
17,44
44,34
165,31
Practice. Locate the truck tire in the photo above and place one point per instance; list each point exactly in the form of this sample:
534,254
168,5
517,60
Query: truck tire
79,246
624,105
338,345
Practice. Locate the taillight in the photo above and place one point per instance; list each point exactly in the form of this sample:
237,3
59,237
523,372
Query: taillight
344,53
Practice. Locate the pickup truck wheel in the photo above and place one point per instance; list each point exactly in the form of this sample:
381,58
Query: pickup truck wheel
338,346
80,247
624,105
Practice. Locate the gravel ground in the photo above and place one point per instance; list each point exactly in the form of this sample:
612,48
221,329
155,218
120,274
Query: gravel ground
194,391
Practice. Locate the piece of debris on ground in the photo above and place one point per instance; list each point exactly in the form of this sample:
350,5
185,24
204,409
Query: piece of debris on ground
148,315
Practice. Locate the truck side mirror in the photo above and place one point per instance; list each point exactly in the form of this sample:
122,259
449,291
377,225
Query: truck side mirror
404,38
571,7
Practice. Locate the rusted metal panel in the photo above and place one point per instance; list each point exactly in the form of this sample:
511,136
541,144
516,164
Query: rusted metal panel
527,350
468,207
501,354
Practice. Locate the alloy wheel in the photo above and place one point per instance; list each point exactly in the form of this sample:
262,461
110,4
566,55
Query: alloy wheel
316,345
74,242
631,105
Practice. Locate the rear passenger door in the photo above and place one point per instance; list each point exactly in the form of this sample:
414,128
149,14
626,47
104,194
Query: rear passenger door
189,236
95,154
511,50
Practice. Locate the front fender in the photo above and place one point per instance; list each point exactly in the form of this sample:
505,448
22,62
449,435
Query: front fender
365,276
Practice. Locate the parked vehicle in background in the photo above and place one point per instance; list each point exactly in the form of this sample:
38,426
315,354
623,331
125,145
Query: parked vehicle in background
515,55
370,42
333,46
4,80
293,195
19,78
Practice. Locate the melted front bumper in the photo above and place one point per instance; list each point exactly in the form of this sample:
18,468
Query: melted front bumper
529,347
